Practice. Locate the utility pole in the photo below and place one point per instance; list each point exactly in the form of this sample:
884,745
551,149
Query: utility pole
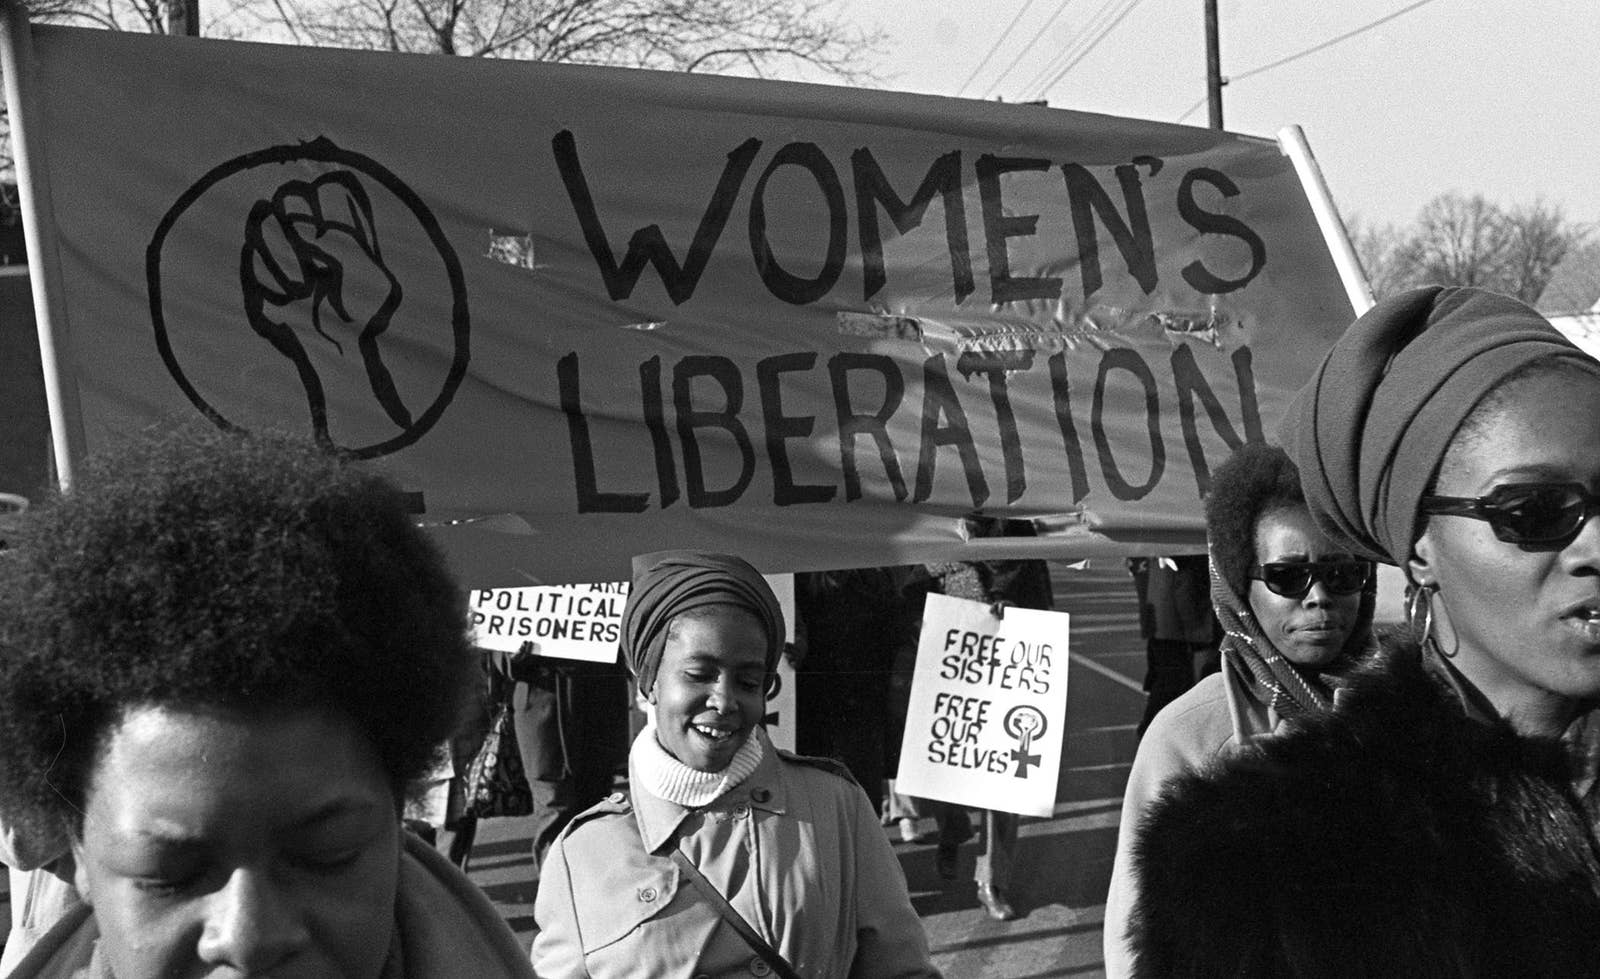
1214,80
183,17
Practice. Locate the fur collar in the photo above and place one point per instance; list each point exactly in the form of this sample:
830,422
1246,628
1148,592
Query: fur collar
1392,837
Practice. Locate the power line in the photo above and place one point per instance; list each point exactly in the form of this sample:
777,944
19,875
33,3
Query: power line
1128,9
996,46
1043,28
1311,50
1090,25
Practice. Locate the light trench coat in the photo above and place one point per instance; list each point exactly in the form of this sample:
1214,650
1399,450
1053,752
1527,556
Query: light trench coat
795,848
1213,719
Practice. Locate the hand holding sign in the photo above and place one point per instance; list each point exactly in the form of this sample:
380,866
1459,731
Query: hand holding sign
313,250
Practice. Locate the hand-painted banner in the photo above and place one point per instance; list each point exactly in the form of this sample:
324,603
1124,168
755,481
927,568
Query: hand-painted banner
586,312
988,707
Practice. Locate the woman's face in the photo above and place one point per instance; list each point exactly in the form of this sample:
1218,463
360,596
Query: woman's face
1522,621
1311,630
710,689
222,844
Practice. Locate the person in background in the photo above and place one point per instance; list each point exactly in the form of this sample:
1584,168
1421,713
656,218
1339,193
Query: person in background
571,719
998,584
41,892
731,857
1178,626
842,670
1441,821
1299,614
222,659
38,860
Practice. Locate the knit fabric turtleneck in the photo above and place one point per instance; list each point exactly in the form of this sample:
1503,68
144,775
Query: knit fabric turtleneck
667,778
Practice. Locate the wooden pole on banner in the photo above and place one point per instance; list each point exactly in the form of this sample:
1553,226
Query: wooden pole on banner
1292,140
1214,80
38,230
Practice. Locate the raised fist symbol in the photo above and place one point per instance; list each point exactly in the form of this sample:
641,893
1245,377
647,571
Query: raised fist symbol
313,279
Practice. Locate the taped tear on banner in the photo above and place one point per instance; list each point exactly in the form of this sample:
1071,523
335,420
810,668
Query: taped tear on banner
1203,326
513,250
880,326
988,526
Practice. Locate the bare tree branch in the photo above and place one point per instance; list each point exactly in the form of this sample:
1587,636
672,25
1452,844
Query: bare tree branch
751,36
1466,240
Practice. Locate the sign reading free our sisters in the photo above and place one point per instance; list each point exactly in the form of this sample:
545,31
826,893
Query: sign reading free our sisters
988,707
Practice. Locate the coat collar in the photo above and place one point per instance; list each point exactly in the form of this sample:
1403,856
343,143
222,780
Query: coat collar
659,819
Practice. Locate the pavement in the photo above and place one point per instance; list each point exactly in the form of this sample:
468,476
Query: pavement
1063,863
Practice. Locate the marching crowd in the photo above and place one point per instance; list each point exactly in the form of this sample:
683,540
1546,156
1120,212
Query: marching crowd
227,662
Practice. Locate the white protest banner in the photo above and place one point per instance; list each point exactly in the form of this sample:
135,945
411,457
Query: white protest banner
988,707
584,313
582,622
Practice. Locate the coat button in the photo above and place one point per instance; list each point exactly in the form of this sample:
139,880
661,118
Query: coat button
647,894
616,798
760,795
740,811
759,967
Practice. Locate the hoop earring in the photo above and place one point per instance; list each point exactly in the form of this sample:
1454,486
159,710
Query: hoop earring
1419,598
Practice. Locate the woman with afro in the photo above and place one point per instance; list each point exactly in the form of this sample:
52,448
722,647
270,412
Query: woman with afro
222,660
1296,611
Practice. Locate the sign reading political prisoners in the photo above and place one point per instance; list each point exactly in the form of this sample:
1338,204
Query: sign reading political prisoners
988,707
584,313
582,622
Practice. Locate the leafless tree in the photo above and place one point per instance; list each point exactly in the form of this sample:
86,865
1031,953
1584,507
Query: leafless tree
1467,240
732,36
1540,239
1575,284
1458,240
147,16
1380,249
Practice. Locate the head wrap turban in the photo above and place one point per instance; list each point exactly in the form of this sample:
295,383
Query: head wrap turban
669,583
1369,429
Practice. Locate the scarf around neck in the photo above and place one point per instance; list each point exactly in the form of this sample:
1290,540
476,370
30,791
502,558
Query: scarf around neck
665,777
1284,687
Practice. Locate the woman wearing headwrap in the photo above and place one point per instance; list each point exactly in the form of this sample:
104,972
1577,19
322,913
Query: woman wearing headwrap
1441,821
1296,610
731,857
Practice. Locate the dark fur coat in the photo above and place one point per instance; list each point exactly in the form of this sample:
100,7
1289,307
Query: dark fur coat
1393,838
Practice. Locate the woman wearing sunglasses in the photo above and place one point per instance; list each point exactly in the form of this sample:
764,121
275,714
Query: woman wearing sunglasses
1441,821
1296,610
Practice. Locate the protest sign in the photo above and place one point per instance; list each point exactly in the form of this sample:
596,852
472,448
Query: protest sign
582,622
988,707
583,313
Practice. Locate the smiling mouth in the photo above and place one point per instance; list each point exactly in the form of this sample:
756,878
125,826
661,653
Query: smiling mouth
716,735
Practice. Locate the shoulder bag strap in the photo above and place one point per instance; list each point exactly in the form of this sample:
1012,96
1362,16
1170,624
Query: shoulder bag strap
768,954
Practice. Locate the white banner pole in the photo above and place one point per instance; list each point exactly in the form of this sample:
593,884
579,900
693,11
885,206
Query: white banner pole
38,229
1292,139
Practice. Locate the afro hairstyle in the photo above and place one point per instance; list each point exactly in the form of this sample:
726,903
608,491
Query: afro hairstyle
1254,481
196,569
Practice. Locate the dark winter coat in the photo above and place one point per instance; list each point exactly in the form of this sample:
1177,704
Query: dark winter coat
1393,837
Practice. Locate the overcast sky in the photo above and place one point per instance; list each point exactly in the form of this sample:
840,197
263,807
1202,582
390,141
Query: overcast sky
1500,97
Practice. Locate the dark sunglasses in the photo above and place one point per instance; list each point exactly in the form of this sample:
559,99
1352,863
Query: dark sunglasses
1523,513
1293,579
